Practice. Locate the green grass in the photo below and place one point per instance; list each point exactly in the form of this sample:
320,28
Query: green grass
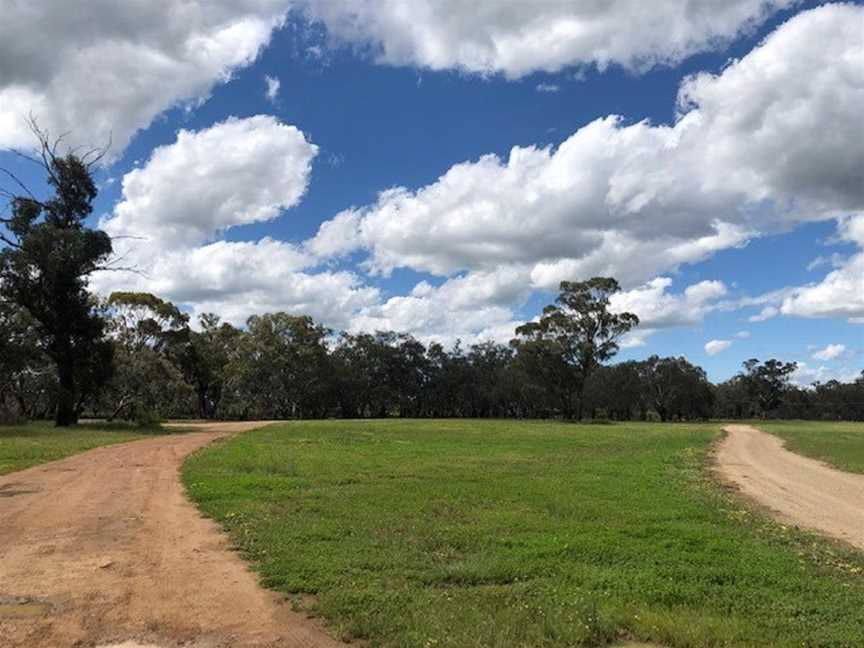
516,534
839,444
22,446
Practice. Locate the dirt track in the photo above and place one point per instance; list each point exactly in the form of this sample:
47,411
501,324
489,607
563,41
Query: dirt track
800,490
103,548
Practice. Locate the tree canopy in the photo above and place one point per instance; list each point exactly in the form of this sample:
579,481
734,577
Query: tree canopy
48,256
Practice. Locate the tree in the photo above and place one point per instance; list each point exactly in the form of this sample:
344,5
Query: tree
145,330
281,368
27,377
676,388
581,331
767,382
617,389
205,360
44,268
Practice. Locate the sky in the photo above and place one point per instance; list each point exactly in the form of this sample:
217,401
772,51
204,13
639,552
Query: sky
438,167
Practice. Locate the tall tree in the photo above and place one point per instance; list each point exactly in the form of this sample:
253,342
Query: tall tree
146,332
282,367
582,331
205,361
766,382
48,256
674,387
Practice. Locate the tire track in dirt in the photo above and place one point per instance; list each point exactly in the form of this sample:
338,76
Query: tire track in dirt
104,548
800,490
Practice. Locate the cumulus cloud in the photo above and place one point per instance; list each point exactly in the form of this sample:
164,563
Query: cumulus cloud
236,172
805,374
841,292
830,352
713,347
517,38
748,154
111,67
473,308
742,335
657,308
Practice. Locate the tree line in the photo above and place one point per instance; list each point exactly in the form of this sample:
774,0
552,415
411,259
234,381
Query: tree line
65,353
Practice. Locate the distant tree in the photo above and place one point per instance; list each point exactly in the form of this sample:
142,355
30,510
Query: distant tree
732,400
28,382
281,368
674,387
766,382
48,256
145,331
618,390
580,331
835,400
496,386
205,361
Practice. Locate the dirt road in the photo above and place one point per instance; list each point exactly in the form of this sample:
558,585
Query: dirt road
800,490
103,548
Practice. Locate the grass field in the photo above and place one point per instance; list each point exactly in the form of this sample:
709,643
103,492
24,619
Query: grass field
22,446
839,444
517,534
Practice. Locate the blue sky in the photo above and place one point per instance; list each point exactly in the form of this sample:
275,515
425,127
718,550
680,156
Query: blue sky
377,104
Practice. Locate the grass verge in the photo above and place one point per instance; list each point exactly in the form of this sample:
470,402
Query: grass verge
516,534
22,446
840,444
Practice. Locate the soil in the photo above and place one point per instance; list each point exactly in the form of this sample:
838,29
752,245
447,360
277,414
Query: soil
104,549
798,490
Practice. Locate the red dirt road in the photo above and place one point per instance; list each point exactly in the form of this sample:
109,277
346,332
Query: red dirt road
800,490
104,548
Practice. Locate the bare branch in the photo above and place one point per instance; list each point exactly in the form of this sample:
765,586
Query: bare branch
112,268
97,153
18,181
10,242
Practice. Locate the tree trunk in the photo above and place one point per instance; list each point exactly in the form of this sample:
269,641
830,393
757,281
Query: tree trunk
66,411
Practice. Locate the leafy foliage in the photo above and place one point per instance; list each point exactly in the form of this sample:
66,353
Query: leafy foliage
44,266
573,337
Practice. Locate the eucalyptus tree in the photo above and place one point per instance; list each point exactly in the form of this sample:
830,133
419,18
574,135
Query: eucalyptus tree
674,387
281,368
766,382
147,333
48,255
574,336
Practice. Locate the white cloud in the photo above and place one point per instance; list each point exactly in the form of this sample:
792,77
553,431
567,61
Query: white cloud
472,308
713,347
765,314
636,338
236,172
272,91
742,335
805,375
111,67
749,154
657,308
517,38
835,260
830,352
841,292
